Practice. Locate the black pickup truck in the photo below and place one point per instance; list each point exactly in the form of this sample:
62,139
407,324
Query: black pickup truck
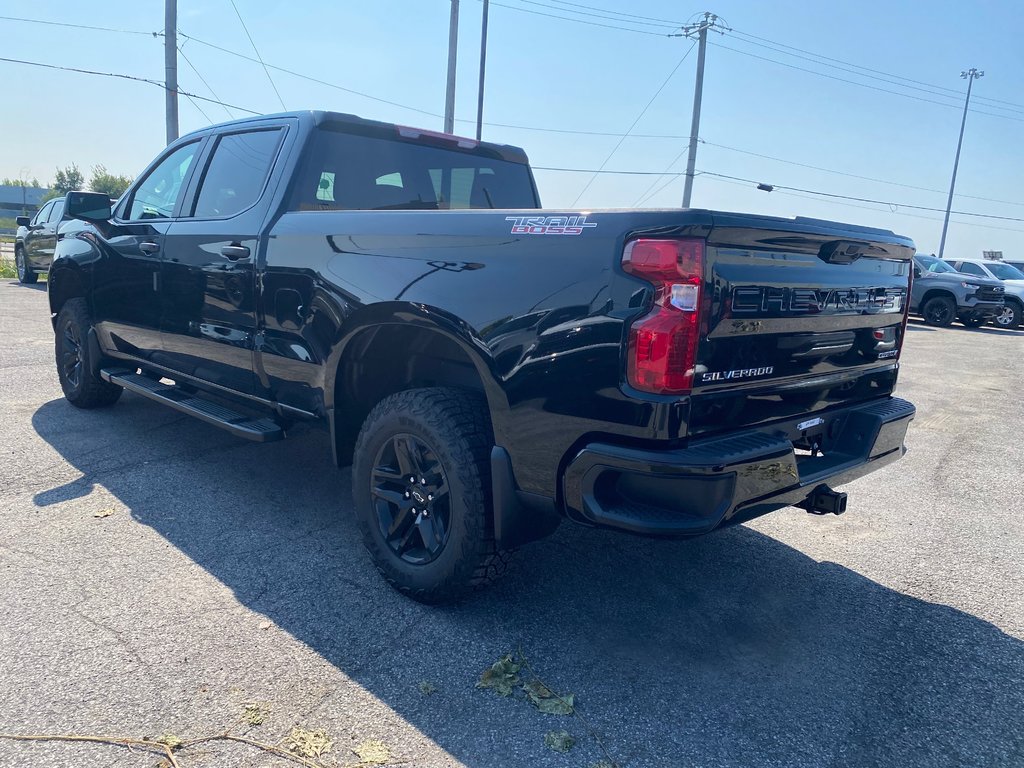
487,367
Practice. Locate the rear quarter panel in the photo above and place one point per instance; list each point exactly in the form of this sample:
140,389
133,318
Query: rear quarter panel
542,315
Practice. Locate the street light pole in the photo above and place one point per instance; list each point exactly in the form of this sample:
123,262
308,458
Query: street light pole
483,68
453,44
970,75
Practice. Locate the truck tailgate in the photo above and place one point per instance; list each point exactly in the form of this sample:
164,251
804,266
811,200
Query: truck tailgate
800,316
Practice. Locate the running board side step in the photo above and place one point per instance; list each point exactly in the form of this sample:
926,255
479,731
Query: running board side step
261,430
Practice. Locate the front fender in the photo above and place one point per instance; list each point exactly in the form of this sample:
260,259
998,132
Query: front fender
71,273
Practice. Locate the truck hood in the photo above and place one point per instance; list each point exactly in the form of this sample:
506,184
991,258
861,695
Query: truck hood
961,277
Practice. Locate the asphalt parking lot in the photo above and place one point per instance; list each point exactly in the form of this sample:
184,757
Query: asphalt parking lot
228,573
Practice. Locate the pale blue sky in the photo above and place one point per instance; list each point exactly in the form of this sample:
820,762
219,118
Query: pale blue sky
551,73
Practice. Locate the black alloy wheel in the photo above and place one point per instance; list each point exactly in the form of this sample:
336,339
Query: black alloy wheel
939,311
71,355
421,484
411,499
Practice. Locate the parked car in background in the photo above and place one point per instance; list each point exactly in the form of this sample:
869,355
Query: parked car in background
941,295
1013,282
36,240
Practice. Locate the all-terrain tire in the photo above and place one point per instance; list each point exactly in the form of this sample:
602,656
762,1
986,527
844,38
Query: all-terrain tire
75,367
939,311
453,427
26,274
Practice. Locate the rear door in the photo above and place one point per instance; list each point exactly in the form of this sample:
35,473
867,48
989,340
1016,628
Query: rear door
208,275
46,243
802,316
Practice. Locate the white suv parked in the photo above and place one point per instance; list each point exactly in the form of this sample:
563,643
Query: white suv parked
1013,280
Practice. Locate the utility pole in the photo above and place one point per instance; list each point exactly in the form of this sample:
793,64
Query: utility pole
970,76
483,68
453,45
701,30
171,67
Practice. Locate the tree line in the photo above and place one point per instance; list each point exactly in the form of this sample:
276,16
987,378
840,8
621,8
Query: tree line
70,178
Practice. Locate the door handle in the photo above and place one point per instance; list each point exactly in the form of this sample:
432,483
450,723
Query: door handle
149,247
234,252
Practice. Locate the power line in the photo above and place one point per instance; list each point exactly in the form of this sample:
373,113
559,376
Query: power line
580,21
854,175
638,119
669,22
869,69
862,85
601,170
876,210
651,192
121,76
602,15
258,56
867,199
203,80
79,26
196,105
891,79
311,79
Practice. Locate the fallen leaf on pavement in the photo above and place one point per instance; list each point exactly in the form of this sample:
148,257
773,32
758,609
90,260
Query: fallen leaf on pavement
373,752
502,676
309,743
559,741
546,700
255,714
170,740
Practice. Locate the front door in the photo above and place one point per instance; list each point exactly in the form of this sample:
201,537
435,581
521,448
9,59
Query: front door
126,296
208,273
35,235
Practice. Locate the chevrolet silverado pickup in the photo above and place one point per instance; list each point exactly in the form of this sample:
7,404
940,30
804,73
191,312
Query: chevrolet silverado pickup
488,367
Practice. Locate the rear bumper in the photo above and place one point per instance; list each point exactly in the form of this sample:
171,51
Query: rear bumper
692,490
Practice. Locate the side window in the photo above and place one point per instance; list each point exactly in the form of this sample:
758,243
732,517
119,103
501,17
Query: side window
235,177
972,269
42,214
157,195
56,213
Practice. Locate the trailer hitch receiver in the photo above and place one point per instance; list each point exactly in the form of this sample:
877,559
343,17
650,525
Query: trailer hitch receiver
823,501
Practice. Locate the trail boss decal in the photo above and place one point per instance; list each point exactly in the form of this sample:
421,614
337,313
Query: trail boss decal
742,373
549,225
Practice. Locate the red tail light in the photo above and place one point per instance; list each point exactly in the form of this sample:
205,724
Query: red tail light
663,343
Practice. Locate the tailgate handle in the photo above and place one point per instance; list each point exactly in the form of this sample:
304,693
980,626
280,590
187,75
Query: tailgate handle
843,251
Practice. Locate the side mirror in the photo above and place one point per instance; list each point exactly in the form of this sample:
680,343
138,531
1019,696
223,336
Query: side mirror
917,272
88,206
23,221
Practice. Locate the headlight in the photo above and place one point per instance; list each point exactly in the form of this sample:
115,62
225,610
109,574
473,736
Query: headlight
973,286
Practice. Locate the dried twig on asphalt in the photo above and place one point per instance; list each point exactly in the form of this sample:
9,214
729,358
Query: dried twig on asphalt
156,746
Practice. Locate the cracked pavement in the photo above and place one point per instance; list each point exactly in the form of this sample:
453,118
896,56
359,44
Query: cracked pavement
231,573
